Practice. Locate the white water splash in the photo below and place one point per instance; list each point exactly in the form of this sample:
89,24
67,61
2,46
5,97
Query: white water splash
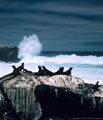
89,68
29,46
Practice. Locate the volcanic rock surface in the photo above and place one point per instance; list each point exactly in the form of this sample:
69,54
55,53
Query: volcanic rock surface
26,102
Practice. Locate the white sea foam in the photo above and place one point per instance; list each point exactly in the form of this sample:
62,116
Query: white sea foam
29,46
88,68
89,74
65,59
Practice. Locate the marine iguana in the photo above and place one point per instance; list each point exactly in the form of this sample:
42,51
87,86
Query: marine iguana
40,71
59,71
47,72
16,71
96,86
44,71
68,72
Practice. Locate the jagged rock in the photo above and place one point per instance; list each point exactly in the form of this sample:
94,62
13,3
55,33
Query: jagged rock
65,103
8,53
20,91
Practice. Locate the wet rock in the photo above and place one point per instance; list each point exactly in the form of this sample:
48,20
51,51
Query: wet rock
20,92
66,103
8,53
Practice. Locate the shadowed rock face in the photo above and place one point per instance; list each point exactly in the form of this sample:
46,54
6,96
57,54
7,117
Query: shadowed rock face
64,103
20,91
8,53
51,98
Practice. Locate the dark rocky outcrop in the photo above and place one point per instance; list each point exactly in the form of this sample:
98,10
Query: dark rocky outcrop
8,53
10,111
64,103
32,96
20,92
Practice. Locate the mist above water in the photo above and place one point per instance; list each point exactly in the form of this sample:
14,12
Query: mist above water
29,46
89,68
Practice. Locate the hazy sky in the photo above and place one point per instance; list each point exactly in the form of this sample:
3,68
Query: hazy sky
61,25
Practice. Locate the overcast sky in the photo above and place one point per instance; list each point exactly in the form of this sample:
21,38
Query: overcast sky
61,25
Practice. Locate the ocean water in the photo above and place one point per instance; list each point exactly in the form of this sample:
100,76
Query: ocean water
61,25
86,65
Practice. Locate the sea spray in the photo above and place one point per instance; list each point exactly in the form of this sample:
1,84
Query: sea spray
29,46
66,59
89,68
